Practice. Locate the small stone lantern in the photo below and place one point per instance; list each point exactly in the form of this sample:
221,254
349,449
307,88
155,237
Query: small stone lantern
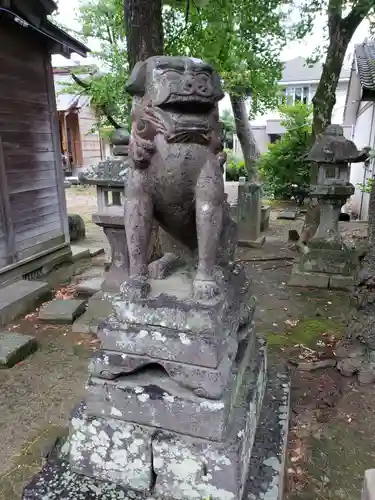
109,177
328,261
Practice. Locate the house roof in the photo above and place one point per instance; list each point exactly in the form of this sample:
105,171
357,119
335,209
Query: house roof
32,15
66,102
298,70
365,59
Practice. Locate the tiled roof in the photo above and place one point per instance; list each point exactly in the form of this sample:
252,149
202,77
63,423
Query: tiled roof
297,70
365,57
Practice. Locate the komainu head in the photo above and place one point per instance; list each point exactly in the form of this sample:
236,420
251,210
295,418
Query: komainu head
178,84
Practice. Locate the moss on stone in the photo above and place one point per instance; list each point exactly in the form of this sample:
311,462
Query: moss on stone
306,332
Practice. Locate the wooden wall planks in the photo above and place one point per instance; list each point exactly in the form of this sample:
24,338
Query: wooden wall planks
32,218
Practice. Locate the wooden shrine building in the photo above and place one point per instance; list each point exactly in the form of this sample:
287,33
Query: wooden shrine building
33,217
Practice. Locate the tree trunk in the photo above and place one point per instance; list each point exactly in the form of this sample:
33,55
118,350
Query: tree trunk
144,39
245,135
144,29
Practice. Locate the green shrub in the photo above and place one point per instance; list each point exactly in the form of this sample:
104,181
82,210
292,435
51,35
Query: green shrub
235,169
284,163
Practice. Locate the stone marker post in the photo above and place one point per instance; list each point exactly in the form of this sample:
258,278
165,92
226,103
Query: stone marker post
179,384
329,262
249,209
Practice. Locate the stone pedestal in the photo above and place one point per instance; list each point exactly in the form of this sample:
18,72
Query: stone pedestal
328,263
248,210
173,401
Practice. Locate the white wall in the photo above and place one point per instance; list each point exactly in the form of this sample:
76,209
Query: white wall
364,135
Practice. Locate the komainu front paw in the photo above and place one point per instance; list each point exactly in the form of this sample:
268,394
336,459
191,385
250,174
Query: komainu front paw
135,288
205,289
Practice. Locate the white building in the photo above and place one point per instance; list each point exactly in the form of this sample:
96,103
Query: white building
298,84
360,115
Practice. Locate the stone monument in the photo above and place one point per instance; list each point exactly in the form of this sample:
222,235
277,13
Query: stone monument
329,262
176,390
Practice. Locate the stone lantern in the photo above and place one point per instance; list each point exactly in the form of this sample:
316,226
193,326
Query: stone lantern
109,177
328,262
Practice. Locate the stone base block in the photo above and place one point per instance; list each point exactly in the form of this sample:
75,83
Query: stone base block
98,309
307,279
202,381
164,343
265,473
15,347
111,450
89,287
62,311
335,259
151,398
340,282
258,243
170,305
320,280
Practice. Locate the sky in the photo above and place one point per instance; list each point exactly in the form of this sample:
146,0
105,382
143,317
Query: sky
68,9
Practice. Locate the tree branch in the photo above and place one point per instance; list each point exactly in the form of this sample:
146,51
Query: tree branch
334,16
358,13
102,108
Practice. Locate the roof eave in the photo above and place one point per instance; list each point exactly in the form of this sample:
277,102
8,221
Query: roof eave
67,42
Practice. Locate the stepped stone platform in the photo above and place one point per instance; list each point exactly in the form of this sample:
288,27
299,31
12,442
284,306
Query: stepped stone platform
265,474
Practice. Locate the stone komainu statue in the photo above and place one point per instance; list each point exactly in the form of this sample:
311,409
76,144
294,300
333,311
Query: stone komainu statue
175,175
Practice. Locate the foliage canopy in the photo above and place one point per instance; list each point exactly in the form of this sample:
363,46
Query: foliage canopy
284,163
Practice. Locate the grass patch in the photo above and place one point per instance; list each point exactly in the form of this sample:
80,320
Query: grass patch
306,332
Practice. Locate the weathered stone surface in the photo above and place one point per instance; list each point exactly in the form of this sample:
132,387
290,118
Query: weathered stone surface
162,343
368,488
204,382
170,305
193,468
151,398
265,218
265,474
331,260
87,323
340,282
249,206
20,297
90,286
267,467
80,252
111,450
15,347
62,311
258,243
366,374
308,279
350,349
288,214
349,366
